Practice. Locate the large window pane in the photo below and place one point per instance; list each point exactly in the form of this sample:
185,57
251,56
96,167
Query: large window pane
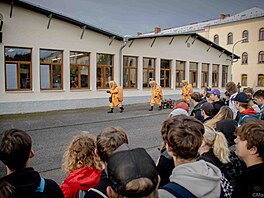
129,72
79,58
50,56
44,76
17,54
56,76
74,77
11,76
24,76
104,70
84,76
180,72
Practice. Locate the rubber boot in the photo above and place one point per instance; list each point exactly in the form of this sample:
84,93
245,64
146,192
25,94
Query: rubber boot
151,108
121,109
160,108
111,110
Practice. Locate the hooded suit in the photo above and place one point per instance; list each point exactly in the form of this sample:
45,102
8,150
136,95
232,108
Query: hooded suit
157,95
186,91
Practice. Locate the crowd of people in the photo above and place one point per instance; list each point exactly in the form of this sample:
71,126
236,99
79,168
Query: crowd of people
216,150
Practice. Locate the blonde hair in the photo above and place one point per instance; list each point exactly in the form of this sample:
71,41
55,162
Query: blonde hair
218,142
81,153
224,113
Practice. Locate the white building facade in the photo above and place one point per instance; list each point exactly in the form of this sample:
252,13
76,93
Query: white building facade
52,62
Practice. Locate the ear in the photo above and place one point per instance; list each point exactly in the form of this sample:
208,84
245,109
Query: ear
253,150
31,154
110,192
169,150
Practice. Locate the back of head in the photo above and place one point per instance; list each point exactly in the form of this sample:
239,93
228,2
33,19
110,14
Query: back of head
182,105
81,152
259,94
196,96
131,177
253,132
208,108
224,113
184,135
218,142
15,147
231,88
109,140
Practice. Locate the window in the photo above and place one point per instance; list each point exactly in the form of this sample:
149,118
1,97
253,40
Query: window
244,80
244,58
230,38
261,80
130,72
261,34
215,75
165,73
245,35
216,39
148,71
180,72
79,70
50,69
261,57
105,70
18,69
224,75
205,74
193,74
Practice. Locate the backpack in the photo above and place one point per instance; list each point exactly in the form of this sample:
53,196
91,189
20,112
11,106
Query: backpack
177,190
120,94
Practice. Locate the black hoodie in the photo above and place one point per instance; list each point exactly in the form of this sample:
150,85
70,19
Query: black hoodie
26,181
217,106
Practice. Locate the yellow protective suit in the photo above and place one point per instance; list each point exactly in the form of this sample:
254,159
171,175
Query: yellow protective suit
116,95
157,95
186,91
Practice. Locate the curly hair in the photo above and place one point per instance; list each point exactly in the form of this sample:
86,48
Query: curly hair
81,153
253,132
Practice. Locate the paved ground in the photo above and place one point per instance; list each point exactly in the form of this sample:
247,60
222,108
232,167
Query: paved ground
52,131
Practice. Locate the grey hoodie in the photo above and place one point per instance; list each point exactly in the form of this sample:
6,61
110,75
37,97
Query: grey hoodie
201,178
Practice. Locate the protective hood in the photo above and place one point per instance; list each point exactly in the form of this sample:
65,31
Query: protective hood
112,84
185,81
81,179
200,177
152,83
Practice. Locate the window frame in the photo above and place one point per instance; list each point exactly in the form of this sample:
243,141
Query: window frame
261,57
242,80
104,67
216,74
149,69
262,79
178,83
230,38
129,68
224,75
216,39
204,83
193,74
245,34
261,34
244,54
18,63
51,65
79,73
165,71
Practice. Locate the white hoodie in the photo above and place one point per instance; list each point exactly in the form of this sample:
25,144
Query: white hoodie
201,178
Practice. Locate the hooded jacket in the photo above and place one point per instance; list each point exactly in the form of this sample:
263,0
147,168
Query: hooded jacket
201,178
217,106
26,181
80,179
248,113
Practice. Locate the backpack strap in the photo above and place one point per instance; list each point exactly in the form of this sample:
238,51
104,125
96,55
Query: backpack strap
177,190
41,185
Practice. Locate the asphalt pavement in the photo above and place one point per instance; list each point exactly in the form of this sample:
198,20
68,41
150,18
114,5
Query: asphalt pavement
51,132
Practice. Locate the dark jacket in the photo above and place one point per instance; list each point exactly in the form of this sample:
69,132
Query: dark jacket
217,106
196,112
250,183
227,127
26,181
103,184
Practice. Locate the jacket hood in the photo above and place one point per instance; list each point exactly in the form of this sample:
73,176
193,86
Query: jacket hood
26,179
200,177
112,84
82,179
184,81
250,111
220,102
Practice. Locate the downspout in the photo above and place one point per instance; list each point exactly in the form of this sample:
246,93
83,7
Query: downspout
125,41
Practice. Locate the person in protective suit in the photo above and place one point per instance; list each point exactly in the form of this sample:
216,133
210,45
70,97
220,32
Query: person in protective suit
156,95
186,91
116,93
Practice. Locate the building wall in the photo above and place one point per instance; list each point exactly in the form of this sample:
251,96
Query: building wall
29,29
252,47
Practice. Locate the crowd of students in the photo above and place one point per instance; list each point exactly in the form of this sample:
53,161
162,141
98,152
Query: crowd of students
216,150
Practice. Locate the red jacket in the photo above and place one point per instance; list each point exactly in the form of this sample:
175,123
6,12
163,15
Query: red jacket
80,179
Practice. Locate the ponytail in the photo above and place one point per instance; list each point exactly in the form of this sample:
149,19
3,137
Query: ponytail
220,148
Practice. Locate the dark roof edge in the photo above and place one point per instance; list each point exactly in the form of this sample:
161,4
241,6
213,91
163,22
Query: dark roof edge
38,9
193,35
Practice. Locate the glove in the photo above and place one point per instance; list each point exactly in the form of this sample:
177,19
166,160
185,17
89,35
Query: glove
107,91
